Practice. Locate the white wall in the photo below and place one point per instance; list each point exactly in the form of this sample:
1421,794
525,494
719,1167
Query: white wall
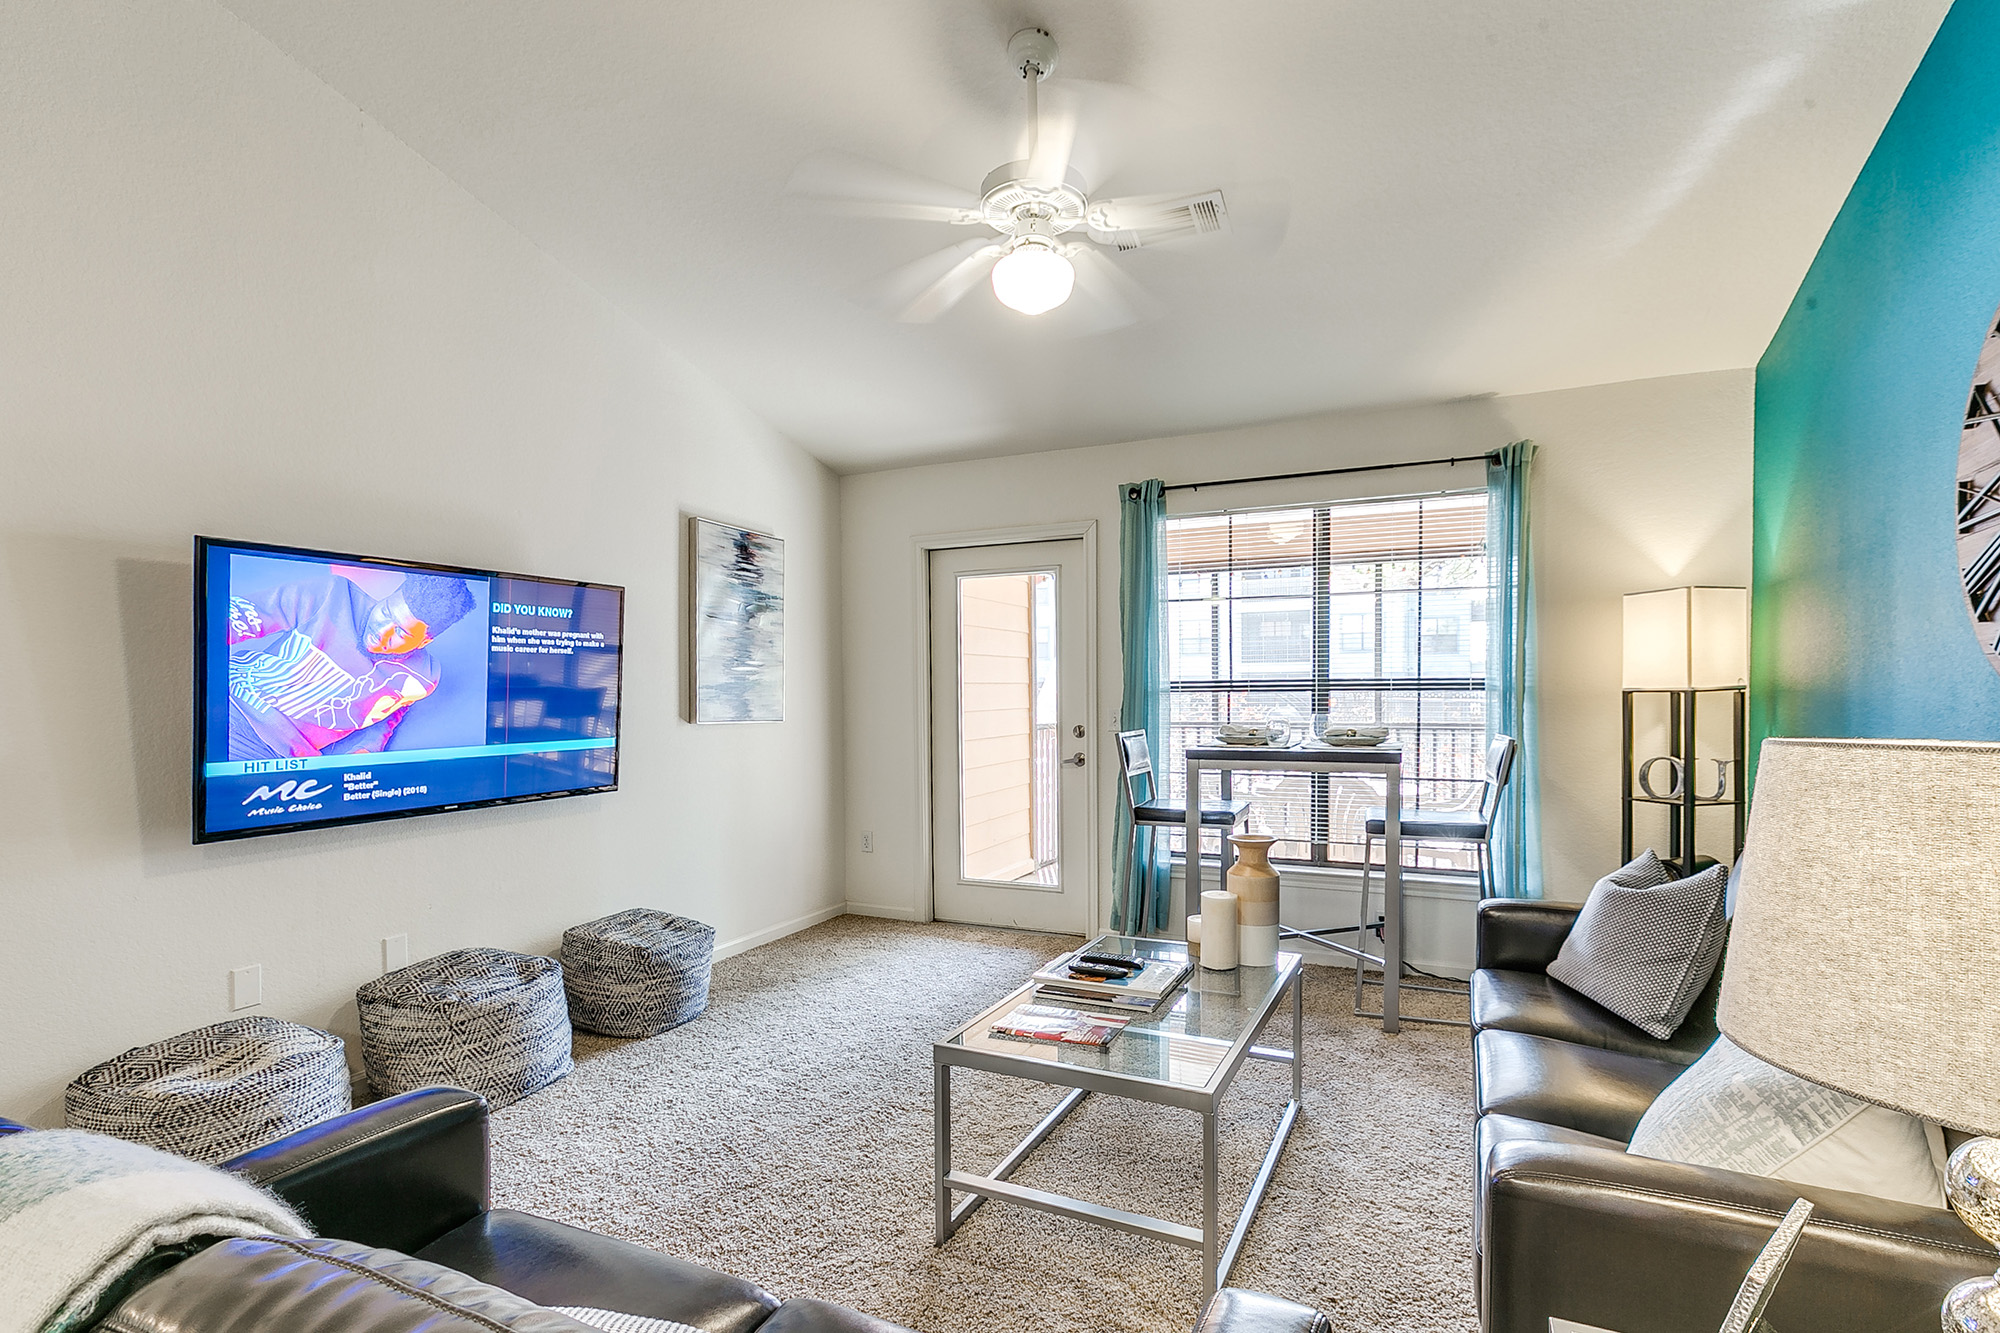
235,306
1638,485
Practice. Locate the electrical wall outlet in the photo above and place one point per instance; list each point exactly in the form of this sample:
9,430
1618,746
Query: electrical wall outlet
395,952
246,986
867,841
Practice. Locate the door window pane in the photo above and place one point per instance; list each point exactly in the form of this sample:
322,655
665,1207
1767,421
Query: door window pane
1008,742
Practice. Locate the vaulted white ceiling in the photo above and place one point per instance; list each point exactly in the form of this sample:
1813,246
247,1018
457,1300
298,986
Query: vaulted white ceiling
1431,199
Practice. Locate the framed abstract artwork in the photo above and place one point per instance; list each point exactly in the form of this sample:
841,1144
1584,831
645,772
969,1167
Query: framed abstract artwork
1978,497
736,638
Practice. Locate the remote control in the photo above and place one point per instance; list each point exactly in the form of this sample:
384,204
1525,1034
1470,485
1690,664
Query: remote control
1111,960
1098,972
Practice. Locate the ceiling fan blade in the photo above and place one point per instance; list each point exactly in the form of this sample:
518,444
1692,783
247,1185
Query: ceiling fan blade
1116,299
867,208
860,187
1137,221
1085,127
950,289
925,288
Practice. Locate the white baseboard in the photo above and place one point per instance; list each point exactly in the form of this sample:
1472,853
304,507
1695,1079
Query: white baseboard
889,913
745,943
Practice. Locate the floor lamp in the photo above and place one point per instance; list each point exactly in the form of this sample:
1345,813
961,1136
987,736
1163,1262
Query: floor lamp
1684,644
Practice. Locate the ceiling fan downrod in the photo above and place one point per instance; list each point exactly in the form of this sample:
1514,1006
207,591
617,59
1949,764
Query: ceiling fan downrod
1032,51
1033,275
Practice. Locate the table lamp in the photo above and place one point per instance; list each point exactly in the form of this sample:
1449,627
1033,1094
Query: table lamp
1862,955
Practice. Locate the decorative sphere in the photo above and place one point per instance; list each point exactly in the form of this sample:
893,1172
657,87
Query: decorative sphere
1033,278
1973,1307
1972,1183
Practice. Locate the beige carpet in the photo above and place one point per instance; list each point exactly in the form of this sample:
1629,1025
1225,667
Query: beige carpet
786,1136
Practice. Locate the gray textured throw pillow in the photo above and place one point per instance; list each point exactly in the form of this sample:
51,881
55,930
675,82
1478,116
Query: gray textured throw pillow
1643,946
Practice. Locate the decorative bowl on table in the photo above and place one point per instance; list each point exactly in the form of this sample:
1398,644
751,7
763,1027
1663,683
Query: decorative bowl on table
1357,736
1253,733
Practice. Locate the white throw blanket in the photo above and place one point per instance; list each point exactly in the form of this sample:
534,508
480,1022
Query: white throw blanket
77,1210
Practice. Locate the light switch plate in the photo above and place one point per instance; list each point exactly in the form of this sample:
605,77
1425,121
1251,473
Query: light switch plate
246,986
395,952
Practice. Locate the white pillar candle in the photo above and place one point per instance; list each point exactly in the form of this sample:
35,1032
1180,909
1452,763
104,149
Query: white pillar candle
1194,936
1218,930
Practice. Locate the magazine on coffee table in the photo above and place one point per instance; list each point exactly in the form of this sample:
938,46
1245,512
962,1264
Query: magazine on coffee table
1152,980
1047,1022
1138,1005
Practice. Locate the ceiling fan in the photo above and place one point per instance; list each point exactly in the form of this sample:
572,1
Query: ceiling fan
1043,234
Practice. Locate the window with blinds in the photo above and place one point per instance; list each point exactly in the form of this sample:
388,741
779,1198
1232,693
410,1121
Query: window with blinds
1364,612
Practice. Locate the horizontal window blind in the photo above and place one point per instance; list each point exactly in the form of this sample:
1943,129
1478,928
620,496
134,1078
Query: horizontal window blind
1368,611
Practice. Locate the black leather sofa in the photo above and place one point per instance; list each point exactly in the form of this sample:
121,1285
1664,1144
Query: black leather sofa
409,1176
1570,1225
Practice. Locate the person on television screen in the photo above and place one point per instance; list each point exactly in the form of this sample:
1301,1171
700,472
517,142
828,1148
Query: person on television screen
317,666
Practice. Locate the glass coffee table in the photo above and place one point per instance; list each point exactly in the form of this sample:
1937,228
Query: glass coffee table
1185,1054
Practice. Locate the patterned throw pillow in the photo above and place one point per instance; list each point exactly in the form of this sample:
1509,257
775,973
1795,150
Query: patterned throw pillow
610,1321
1645,944
1732,1110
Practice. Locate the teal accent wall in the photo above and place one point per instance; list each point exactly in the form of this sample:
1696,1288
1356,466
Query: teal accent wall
1859,622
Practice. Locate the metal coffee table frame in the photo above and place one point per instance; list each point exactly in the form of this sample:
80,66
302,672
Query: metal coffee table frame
1206,1101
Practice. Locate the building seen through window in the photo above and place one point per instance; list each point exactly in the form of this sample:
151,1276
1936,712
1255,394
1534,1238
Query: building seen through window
1364,612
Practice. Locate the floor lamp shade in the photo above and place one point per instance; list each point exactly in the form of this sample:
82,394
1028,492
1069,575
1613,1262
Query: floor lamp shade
1863,951
1687,639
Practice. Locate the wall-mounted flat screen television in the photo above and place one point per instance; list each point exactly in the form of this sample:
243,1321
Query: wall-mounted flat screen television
332,688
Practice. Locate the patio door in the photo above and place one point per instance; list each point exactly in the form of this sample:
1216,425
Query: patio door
1012,750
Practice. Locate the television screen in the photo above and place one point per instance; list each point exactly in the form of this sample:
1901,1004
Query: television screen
332,689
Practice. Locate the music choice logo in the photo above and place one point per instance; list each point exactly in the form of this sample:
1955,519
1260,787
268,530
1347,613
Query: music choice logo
299,789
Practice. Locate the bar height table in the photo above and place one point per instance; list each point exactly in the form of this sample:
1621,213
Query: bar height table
1385,761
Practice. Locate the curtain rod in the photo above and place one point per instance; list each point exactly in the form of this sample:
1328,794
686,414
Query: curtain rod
1331,472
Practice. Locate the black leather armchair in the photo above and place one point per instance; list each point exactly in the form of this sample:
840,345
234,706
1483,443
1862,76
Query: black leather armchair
1233,1310
1568,1224
411,1174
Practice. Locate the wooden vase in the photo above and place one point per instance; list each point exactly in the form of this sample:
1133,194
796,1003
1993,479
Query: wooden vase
1255,885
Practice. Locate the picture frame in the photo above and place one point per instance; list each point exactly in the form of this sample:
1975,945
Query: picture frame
736,624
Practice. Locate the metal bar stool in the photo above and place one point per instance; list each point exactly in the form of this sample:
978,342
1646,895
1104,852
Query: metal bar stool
1473,824
1135,758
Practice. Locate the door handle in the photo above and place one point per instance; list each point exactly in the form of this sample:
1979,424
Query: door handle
1076,759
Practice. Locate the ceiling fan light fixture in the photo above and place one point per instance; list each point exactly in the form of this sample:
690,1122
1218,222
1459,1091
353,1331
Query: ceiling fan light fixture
1032,277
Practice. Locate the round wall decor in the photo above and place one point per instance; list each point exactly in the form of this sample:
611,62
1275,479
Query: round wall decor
1977,502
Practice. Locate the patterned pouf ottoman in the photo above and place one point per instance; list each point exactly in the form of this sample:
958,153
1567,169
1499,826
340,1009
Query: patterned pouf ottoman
484,1019
215,1092
637,972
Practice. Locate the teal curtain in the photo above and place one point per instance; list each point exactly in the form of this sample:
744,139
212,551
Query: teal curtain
1510,669
1139,886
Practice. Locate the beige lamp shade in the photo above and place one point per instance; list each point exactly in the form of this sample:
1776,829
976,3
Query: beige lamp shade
1863,951
1687,639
